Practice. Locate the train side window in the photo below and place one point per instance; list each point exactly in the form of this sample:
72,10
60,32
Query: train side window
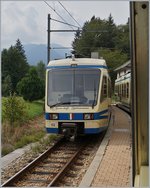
120,89
127,90
123,90
104,88
109,88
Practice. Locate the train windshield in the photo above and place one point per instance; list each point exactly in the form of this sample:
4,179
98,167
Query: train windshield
73,87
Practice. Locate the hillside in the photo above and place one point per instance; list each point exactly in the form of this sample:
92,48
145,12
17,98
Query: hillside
38,52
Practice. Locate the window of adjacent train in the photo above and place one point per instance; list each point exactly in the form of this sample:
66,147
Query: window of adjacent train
104,88
109,88
127,90
120,90
73,86
123,90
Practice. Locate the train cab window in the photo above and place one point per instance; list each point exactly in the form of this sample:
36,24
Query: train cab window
104,88
73,86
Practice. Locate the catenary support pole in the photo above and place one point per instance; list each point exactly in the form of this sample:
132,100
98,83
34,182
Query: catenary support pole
48,40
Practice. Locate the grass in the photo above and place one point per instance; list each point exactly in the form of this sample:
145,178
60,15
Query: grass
26,139
34,109
19,136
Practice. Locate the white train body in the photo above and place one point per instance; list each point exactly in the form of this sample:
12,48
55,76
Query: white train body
77,96
123,89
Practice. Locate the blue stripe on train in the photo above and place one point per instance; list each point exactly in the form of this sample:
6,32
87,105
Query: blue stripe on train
78,66
78,116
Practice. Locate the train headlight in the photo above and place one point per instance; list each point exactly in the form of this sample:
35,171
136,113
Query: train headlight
54,116
88,116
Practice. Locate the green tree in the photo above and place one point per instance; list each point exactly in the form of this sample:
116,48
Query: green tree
113,59
122,41
31,87
14,65
41,70
21,50
95,34
7,86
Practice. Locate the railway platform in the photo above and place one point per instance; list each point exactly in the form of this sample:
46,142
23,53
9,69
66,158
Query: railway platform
112,165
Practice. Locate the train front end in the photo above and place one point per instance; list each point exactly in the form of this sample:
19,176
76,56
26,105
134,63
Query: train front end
73,98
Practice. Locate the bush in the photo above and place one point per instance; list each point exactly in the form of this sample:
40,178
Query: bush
14,110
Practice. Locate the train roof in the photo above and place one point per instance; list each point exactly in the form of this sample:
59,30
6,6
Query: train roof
78,61
124,66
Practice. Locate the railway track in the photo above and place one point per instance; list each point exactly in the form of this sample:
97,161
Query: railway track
58,166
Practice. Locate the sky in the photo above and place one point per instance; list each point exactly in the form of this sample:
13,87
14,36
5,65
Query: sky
27,20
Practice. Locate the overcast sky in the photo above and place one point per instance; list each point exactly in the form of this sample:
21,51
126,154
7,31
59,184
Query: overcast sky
27,20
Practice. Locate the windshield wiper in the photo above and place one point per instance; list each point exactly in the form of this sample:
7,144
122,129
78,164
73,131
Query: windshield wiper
59,104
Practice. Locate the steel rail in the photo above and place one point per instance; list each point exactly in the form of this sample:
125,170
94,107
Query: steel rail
31,165
57,175
64,169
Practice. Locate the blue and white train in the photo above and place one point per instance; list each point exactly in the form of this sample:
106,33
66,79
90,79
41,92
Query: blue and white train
78,95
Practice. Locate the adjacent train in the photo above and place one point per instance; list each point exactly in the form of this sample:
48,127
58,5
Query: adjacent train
78,95
123,86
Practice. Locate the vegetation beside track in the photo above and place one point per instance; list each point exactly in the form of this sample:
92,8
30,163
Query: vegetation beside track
22,130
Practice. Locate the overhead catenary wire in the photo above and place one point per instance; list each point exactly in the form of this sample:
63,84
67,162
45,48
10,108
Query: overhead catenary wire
69,13
59,15
63,22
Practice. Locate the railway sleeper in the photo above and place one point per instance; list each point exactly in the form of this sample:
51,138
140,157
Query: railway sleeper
75,168
71,174
49,167
44,173
79,164
36,180
61,157
53,162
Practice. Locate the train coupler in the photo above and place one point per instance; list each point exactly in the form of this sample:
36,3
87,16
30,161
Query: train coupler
69,129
